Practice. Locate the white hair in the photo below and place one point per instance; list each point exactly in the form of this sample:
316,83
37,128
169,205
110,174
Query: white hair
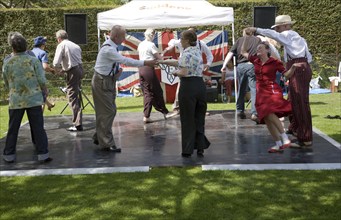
149,34
62,34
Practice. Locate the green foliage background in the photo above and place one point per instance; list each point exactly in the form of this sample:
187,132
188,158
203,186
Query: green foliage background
318,21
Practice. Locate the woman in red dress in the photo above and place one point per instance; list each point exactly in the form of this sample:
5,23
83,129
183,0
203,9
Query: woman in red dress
270,104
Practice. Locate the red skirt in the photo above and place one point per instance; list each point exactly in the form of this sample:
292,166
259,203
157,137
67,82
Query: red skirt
269,99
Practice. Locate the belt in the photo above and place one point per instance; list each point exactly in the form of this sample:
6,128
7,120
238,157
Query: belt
103,74
75,67
298,60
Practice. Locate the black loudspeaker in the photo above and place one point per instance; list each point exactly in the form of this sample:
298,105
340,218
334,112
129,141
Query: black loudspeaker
264,17
76,27
211,94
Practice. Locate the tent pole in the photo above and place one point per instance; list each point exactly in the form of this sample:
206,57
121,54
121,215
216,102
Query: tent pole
223,40
99,38
235,68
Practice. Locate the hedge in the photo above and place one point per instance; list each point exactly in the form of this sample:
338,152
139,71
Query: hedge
318,21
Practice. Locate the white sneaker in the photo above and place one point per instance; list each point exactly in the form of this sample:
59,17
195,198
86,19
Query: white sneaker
147,120
170,115
255,118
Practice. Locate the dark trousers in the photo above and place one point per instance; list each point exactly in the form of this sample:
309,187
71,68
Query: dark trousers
36,120
152,91
73,85
300,122
193,106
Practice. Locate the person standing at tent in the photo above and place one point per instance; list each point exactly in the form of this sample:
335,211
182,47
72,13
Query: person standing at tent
24,77
192,96
68,57
245,74
227,80
151,88
107,71
295,52
203,48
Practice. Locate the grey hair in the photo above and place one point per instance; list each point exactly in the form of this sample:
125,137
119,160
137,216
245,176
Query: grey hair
117,29
11,35
17,42
149,34
62,34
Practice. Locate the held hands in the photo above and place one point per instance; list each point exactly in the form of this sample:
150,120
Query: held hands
170,62
176,73
292,69
250,31
150,63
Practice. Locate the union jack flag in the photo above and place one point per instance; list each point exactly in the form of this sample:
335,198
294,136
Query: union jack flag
215,40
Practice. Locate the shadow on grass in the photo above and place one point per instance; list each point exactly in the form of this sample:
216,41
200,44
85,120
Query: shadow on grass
318,103
175,193
130,107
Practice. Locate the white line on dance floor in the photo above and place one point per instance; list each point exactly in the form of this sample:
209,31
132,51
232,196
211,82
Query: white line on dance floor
74,171
297,166
327,138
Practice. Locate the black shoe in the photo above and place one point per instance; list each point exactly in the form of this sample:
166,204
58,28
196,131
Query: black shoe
95,141
289,132
241,115
112,149
49,159
300,144
186,155
200,153
75,128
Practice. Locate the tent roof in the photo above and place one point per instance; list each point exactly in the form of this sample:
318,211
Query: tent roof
139,14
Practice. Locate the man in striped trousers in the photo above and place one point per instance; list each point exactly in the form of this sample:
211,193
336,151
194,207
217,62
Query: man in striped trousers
295,51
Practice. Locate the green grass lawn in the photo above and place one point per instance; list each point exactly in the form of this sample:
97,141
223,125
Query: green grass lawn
175,193
180,193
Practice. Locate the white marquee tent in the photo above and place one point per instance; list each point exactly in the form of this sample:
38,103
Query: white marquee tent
142,14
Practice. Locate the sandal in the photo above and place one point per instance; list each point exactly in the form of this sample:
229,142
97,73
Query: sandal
286,145
275,150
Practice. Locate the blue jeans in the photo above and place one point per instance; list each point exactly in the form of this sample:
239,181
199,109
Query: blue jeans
246,77
36,120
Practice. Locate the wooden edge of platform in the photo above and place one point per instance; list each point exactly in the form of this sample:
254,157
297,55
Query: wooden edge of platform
299,166
74,171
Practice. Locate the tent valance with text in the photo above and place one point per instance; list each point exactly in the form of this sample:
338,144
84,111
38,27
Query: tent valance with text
139,14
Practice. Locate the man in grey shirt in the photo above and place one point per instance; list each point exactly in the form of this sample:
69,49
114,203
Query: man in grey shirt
107,71
245,74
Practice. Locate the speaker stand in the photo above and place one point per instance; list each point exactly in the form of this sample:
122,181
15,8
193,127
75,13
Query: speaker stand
81,94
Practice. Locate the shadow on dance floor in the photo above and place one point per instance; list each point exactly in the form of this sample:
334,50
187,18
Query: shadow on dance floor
233,141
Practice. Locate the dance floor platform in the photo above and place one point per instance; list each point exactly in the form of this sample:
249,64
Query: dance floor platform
235,144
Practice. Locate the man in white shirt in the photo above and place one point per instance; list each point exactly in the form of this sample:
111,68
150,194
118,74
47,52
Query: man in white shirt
295,51
68,59
107,71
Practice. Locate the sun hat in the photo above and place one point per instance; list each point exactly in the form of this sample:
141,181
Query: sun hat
39,41
282,19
